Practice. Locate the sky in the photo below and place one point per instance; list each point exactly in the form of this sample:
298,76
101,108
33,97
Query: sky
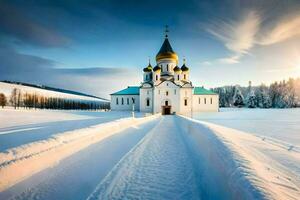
99,47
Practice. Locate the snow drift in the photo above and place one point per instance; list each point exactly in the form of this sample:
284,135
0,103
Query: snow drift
19,163
237,164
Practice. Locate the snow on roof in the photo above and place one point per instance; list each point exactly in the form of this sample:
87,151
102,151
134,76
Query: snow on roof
203,91
130,90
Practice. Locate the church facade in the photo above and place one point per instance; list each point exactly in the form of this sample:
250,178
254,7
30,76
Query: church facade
166,89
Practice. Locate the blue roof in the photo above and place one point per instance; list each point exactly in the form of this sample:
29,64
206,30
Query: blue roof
131,90
203,91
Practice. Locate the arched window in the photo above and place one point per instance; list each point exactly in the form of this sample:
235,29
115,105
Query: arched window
174,91
156,77
204,100
122,101
167,67
210,100
184,76
178,77
148,102
127,101
166,103
117,101
185,102
199,100
133,100
167,93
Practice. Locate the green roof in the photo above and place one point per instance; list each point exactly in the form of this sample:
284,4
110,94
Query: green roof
202,91
131,90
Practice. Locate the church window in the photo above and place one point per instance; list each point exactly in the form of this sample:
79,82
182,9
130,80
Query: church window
178,77
185,102
167,93
199,100
148,102
184,76
127,101
133,100
204,100
156,77
167,67
166,103
122,101
210,100
117,101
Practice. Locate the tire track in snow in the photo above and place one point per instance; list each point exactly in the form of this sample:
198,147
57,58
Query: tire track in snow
159,167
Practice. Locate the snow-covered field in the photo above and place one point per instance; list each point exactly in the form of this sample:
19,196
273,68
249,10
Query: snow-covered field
21,126
280,124
161,157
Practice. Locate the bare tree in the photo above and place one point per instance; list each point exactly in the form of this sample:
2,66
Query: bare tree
13,97
19,98
3,100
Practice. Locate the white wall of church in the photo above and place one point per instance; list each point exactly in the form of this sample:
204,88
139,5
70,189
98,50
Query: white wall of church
125,102
205,103
186,95
166,91
146,100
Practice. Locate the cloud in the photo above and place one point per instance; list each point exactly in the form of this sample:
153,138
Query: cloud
14,23
230,60
237,35
97,81
207,63
286,28
240,36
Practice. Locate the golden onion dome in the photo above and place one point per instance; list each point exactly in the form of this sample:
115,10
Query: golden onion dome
184,68
156,68
148,68
177,69
166,52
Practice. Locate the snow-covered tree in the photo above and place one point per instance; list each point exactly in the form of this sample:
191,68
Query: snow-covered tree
238,99
251,100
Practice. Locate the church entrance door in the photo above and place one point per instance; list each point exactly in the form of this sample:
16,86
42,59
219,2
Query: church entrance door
166,110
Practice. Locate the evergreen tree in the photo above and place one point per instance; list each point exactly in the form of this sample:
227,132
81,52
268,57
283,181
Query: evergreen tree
238,99
251,100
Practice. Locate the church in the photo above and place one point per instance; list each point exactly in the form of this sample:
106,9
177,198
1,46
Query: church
166,88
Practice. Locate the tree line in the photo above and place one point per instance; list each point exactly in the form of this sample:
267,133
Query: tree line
18,99
283,94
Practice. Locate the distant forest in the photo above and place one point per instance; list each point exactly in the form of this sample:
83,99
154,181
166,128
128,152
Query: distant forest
282,94
20,99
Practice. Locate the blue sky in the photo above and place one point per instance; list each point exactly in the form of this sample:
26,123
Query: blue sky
98,47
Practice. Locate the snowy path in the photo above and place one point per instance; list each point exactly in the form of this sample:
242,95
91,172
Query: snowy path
159,167
77,176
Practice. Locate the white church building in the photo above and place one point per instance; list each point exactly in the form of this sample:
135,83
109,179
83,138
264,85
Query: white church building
166,89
